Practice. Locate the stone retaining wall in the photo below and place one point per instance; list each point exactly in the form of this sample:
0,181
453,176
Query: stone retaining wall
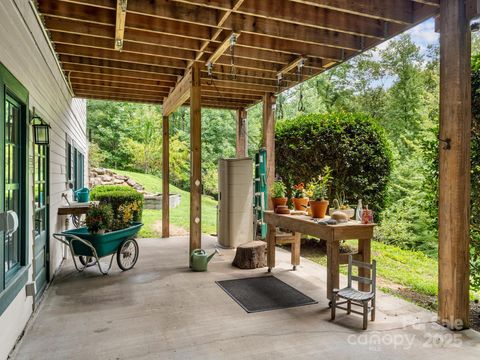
101,176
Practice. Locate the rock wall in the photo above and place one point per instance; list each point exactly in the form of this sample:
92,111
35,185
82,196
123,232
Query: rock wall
101,176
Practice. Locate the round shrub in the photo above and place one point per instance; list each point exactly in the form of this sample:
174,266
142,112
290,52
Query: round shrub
126,203
352,145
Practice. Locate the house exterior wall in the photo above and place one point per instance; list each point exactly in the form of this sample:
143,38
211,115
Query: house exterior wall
25,52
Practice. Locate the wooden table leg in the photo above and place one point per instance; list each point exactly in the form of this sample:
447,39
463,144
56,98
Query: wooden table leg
365,250
271,230
333,262
296,250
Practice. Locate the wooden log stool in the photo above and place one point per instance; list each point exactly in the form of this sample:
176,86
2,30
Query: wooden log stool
251,255
285,238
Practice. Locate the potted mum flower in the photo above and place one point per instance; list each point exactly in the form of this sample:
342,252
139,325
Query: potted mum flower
319,189
99,218
300,200
278,193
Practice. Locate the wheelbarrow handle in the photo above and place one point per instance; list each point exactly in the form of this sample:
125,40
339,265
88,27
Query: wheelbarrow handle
62,238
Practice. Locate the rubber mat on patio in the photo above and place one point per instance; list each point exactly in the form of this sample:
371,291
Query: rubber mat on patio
264,293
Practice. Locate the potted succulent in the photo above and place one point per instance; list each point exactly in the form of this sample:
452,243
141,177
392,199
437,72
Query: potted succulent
340,204
300,200
318,189
99,218
278,193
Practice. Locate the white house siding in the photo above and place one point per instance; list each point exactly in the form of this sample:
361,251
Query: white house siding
26,54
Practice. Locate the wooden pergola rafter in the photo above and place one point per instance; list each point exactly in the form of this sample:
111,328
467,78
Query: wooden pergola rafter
166,45
174,34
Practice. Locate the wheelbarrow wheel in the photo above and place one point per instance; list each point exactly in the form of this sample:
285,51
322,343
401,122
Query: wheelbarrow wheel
87,260
127,254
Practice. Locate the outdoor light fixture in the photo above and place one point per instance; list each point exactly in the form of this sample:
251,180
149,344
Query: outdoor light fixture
40,131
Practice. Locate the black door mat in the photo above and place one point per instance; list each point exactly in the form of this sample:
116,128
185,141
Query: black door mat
264,293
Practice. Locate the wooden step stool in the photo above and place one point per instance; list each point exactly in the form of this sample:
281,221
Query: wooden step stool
285,238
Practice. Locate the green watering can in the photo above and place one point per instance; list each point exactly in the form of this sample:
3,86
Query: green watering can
199,259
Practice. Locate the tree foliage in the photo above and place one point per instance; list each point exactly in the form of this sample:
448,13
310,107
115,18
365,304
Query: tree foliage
352,145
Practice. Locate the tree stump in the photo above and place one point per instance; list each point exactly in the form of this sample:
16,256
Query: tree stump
251,255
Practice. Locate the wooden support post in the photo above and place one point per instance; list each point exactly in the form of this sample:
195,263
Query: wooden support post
269,140
333,263
454,179
165,179
195,160
365,250
242,133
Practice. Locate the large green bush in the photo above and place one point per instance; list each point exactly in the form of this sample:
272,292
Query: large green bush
126,203
353,146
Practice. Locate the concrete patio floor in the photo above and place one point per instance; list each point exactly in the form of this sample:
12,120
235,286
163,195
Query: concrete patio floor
161,310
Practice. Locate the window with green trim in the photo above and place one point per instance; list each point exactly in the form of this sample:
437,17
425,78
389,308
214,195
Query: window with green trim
14,127
75,165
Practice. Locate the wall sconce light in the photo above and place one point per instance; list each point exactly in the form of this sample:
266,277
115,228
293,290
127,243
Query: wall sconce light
41,131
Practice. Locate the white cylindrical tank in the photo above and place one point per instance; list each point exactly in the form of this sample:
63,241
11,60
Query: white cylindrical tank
235,205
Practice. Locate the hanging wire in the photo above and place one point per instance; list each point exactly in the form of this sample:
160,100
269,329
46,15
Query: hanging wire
233,42
301,105
211,82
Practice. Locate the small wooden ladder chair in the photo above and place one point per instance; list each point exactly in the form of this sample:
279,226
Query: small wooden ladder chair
357,297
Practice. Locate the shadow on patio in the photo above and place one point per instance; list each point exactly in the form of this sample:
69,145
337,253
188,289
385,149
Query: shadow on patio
162,310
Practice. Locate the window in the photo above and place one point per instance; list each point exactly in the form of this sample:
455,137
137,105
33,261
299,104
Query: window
13,185
75,166
12,182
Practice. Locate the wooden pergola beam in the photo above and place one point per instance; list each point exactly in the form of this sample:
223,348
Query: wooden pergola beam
199,24
222,48
138,58
291,66
102,30
118,78
93,42
268,140
155,86
165,178
399,11
179,94
218,31
122,66
120,23
242,134
454,165
68,43
195,158
80,33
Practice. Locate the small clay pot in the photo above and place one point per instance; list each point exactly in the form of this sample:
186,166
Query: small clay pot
319,208
300,204
279,202
282,209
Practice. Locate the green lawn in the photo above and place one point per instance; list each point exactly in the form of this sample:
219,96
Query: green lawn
412,270
179,216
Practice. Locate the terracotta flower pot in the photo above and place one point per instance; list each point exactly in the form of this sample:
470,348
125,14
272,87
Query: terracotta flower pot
300,204
319,208
279,201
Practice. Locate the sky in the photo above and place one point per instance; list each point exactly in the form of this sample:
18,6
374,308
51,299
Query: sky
423,35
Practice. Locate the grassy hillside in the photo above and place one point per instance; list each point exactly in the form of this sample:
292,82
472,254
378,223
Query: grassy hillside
179,216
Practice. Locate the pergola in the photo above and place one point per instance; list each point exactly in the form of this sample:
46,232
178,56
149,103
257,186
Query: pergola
236,53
